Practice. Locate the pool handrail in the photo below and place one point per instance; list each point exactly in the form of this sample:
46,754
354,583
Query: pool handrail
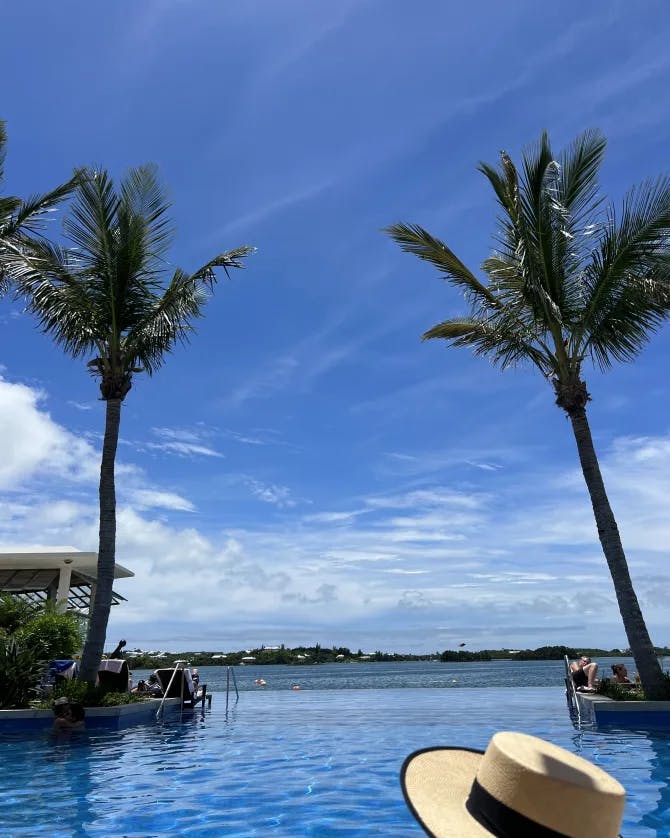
177,666
571,688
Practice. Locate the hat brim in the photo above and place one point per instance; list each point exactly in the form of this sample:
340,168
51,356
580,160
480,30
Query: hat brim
436,784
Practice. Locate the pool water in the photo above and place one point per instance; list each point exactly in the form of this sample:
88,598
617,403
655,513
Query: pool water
295,763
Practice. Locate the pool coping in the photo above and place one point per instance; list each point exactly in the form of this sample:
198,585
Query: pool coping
603,710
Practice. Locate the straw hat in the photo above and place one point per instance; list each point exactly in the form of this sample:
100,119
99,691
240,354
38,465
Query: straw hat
62,700
521,786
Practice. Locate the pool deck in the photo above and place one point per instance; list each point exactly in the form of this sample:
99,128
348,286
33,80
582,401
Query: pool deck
114,718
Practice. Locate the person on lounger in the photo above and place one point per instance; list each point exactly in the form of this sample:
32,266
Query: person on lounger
153,686
620,674
584,673
118,652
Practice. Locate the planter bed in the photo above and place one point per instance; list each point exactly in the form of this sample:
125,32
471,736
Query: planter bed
107,718
605,711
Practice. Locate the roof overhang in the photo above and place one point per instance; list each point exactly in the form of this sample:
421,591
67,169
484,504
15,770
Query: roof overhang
35,575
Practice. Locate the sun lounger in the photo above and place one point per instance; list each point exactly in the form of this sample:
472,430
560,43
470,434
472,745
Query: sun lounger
113,675
179,684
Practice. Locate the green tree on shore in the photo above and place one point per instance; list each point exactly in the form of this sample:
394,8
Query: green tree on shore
569,280
107,296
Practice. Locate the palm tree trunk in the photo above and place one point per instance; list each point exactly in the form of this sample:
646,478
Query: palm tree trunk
97,625
648,667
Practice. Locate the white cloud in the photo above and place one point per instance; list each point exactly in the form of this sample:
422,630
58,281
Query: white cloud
279,496
152,499
183,442
529,549
32,444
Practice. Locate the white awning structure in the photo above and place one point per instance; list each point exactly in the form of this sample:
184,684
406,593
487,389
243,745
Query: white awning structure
67,577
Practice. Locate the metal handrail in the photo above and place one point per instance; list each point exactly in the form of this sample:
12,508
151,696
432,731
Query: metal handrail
571,689
230,671
177,666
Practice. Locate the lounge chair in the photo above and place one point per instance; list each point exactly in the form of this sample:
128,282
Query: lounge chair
57,672
113,675
177,683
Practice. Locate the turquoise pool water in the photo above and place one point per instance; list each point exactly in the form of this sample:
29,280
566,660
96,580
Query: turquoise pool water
308,763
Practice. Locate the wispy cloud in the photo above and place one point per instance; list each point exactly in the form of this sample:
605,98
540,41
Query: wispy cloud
271,493
183,442
153,499
269,207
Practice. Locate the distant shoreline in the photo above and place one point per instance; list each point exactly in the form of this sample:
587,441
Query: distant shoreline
310,655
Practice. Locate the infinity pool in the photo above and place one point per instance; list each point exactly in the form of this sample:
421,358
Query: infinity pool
308,763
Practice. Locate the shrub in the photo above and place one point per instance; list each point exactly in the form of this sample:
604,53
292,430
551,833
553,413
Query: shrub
21,668
53,634
15,612
622,692
88,695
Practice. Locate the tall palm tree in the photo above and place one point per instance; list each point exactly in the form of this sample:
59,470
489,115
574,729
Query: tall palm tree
107,296
21,220
569,279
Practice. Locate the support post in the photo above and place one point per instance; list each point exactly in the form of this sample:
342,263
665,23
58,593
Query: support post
63,591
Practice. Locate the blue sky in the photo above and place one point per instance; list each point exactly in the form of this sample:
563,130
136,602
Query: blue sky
307,470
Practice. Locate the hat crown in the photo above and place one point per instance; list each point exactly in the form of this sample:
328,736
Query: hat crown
551,786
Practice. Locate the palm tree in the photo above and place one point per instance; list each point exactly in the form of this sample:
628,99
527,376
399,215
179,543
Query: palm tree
20,220
569,279
106,296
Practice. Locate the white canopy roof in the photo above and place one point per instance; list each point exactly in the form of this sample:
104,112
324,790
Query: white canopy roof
39,575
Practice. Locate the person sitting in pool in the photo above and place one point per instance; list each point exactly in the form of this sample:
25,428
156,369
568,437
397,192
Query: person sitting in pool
620,674
584,673
68,716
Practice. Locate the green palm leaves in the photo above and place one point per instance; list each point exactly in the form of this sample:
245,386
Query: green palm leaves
22,220
568,278
111,293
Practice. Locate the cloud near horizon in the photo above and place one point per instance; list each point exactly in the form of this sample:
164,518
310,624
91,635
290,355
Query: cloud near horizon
343,571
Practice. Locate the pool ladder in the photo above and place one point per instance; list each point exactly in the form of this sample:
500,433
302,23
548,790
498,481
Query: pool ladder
180,665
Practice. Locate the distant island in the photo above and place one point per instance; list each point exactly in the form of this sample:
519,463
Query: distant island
309,655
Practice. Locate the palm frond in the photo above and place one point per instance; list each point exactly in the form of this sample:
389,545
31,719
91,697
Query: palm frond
414,239
58,296
144,210
625,280
505,184
3,148
578,179
30,214
170,318
504,347
525,236
93,219
229,259
628,322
